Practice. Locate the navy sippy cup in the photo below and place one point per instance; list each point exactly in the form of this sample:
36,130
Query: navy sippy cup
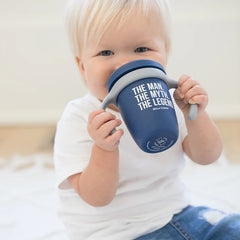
140,90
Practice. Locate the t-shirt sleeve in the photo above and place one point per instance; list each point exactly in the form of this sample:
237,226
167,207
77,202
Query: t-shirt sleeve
181,124
72,146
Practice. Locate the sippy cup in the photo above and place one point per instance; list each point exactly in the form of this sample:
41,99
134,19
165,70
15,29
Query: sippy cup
140,90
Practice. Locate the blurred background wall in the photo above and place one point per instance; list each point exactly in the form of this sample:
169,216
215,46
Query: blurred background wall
38,75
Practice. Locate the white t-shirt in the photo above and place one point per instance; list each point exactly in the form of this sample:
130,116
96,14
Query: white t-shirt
149,193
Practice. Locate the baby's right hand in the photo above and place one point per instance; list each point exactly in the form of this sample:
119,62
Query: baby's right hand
100,125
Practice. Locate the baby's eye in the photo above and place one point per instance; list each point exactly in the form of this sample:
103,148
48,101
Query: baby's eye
106,53
141,49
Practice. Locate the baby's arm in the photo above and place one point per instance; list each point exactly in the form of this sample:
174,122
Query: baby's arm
98,183
203,143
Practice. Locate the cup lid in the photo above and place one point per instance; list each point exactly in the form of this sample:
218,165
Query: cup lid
131,66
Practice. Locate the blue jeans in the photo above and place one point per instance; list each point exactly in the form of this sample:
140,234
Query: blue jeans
198,223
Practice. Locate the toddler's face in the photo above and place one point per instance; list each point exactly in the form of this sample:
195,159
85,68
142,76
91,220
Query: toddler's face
139,38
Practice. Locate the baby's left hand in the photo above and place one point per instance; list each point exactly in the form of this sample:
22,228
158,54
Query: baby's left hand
188,92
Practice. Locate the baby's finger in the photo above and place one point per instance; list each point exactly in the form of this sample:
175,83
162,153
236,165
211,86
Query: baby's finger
115,137
183,79
200,100
187,85
101,119
106,129
94,113
177,94
194,91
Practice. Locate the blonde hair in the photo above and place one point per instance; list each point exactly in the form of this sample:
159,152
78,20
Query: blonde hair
87,18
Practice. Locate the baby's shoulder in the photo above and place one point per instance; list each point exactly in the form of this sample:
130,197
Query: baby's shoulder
81,107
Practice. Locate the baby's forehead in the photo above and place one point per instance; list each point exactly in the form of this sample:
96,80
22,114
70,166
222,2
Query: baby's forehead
126,23
87,19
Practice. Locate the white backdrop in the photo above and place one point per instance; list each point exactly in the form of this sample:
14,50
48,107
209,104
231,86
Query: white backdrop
38,75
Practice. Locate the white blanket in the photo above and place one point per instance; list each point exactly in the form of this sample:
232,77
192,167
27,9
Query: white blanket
28,199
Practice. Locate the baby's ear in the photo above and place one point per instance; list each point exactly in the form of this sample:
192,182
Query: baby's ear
80,66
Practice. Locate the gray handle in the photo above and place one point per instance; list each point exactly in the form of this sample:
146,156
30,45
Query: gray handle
192,114
133,76
109,99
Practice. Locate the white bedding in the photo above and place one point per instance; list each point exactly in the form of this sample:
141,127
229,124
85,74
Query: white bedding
28,199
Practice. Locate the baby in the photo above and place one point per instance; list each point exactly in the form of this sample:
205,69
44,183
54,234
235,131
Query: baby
108,187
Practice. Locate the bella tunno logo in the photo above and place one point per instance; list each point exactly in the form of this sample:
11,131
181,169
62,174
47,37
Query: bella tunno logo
159,144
